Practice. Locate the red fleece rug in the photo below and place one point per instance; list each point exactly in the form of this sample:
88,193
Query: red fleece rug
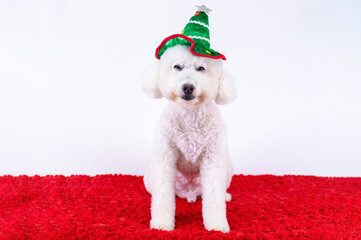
118,207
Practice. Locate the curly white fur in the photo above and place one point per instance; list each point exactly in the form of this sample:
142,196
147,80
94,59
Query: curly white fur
190,154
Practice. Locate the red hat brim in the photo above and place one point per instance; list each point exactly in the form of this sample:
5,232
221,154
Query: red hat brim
193,44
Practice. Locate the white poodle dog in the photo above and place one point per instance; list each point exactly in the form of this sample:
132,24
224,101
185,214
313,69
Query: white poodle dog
190,156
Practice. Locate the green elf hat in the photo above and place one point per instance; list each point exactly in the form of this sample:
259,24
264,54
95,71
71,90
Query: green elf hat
195,34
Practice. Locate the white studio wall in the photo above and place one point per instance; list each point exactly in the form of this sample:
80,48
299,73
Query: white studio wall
71,103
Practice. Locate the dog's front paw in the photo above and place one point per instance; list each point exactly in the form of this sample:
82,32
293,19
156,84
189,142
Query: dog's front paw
215,216
161,225
228,197
217,226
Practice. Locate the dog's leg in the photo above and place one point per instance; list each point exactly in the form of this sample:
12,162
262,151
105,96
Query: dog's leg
163,170
213,180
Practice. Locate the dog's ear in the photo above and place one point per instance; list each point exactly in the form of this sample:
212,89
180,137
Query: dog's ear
150,81
227,90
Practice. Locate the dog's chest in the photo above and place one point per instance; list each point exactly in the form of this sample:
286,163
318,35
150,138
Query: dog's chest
192,135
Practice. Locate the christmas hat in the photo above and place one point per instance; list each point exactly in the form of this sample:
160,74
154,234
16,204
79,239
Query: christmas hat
195,34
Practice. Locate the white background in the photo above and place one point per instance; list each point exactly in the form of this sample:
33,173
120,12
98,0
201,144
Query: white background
71,103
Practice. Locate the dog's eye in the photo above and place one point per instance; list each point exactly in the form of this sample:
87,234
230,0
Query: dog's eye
177,67
200,69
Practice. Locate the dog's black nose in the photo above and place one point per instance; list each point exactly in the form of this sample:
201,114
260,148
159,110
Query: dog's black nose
188,89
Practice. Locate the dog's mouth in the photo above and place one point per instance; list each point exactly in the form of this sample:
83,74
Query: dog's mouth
187,97
190,100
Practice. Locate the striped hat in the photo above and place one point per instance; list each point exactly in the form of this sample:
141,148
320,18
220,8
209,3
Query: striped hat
195,34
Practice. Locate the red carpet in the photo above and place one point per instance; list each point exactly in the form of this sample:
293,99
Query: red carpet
117,207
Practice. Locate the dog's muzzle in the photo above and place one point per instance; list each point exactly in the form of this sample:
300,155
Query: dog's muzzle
188,90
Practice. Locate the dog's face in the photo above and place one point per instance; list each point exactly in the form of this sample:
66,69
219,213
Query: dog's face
187,79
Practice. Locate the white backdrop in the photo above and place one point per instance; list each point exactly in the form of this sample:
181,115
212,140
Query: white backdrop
71,103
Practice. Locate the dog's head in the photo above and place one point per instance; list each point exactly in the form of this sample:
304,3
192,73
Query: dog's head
185,78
